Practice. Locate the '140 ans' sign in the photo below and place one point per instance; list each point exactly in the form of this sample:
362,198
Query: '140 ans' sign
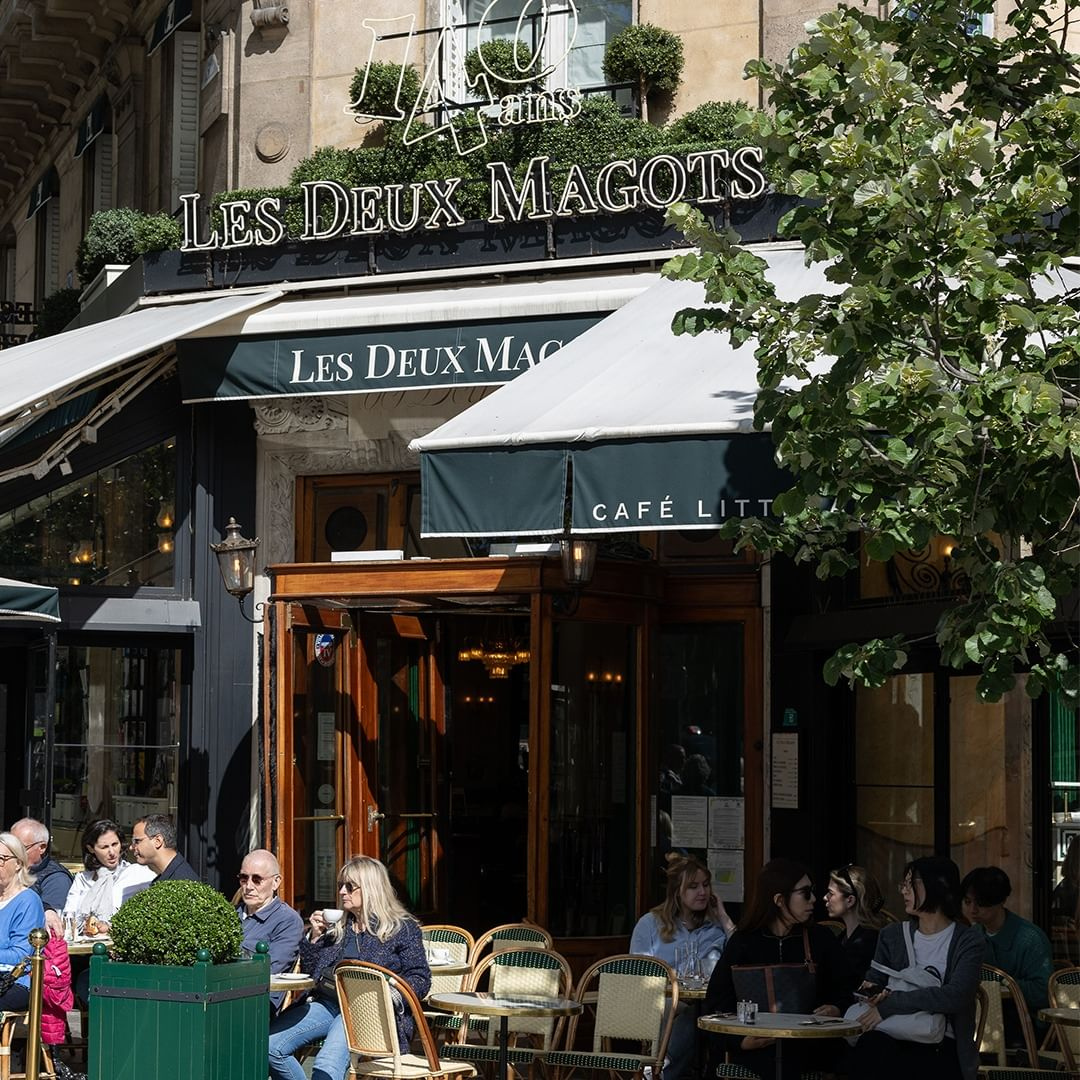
331,210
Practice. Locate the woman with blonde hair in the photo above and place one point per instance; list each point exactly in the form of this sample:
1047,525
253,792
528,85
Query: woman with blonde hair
690,914
377,928
854,898
20,912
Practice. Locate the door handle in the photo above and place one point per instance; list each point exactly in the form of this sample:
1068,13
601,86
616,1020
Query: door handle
373,815
322,817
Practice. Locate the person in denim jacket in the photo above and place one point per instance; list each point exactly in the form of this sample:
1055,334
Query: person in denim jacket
691,913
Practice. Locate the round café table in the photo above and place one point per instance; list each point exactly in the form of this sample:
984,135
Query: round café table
285,983
781,1026
1067,1017
482,1003
85,946
462,968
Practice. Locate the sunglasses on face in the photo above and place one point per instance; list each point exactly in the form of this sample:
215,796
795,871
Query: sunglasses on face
255,879
348,887
806,892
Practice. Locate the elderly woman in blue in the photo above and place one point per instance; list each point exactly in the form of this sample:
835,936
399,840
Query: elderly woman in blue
20,912
690,913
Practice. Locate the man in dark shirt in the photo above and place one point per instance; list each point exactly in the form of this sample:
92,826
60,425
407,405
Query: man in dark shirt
51,880
153,843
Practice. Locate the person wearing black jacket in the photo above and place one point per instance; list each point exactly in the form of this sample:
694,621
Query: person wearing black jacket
854,898
776,929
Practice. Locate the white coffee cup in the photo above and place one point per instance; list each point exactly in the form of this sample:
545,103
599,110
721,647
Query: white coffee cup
439,955
332,915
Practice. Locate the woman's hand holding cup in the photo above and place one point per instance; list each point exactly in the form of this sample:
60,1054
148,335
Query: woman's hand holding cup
318,925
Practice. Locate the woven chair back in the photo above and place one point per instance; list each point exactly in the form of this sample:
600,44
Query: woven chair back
508,936
367,1009
525,971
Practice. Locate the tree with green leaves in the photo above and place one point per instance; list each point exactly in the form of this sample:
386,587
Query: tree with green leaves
941,173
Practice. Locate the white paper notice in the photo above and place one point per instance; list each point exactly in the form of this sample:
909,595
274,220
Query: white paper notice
726,868
726,818
325,749
689,821
785,770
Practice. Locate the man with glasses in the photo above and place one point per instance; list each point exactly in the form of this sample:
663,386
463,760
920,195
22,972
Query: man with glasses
51,880
153,843
265,917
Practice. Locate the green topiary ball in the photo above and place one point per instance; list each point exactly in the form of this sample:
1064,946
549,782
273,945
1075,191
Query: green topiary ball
171,921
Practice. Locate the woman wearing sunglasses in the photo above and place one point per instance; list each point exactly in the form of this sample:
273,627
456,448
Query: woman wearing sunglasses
932,901
806,973
376,928
20,912
854,898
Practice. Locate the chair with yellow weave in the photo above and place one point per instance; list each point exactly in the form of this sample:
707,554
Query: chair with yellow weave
12,1027
523,971
366,994
1063,990
458,944
508,936
625,1001
1002,992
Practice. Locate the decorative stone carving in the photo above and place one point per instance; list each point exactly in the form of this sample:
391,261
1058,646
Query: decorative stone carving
282,416
279,470
272,142
268,15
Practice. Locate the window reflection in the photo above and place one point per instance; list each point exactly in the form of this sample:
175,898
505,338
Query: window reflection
113,527
115,738
592,768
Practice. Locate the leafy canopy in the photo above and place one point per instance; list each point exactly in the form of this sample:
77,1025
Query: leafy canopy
941,170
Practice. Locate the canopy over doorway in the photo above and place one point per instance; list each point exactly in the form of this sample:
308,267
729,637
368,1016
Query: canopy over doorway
651,430
23,601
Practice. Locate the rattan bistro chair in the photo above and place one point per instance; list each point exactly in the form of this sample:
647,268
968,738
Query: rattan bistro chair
628,998
366,996
999,985
507,936
1064,993
12,1027
523,971
459,944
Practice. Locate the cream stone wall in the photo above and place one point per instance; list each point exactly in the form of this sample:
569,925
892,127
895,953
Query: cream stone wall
718,40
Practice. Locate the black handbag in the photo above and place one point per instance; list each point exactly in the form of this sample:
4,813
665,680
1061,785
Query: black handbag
779,988
9,978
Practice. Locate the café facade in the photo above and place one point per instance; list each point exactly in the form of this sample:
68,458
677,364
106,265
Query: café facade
418,673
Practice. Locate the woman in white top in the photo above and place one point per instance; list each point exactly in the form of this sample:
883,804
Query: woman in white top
108,880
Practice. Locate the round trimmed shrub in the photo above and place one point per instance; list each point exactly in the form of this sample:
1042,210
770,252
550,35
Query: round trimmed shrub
110,238
156,232
383,80
56,311
505,63
649,57
171,921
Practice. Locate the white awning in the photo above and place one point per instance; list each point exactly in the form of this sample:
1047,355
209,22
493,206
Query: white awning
631,377
412,306
42,374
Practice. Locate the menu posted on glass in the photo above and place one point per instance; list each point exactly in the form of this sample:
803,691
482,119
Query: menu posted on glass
785,770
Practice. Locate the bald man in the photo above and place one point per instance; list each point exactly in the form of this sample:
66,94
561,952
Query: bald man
264,917
51,880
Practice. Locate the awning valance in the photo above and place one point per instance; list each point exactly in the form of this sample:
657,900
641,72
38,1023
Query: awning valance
416,339
650,430
93,124
46,187
23,600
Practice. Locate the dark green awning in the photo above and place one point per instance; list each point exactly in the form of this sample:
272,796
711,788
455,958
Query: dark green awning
173,15
93,124
43,191
24,600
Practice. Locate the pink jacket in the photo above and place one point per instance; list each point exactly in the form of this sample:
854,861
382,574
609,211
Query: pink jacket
56,993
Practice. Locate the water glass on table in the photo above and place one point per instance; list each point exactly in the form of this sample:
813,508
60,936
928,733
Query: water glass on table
688,966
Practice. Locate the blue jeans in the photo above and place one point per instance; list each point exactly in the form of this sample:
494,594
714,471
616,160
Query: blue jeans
683,1045
303,1023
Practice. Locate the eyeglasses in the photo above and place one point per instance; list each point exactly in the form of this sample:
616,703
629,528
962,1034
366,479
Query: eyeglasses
5,859
348,887
255,879
806,892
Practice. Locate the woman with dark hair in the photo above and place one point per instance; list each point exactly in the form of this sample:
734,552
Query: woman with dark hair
854,898
932,899
691,914
776,930
108,880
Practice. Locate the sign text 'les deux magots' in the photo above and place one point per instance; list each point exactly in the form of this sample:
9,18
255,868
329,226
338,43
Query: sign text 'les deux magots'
330,209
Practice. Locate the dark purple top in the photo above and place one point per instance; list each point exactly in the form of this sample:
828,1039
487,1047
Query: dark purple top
403,954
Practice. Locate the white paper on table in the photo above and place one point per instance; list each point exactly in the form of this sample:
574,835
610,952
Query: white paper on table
689,821
726,823
726,867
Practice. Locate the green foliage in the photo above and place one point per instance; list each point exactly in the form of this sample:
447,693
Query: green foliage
156,232
380,95
648,56
505,64
56,311
935,159
171,921
110,238
712,122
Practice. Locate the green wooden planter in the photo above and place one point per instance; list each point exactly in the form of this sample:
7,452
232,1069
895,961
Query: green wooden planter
205,1022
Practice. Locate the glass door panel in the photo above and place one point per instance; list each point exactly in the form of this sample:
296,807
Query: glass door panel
894,777
592,842
319,721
